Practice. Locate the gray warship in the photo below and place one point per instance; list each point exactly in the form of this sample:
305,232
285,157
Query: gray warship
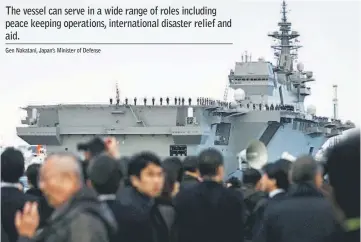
267,115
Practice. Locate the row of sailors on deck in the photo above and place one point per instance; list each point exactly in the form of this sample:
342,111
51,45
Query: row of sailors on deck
209,102
177,101
144,198
269,107
218,103
212,102
326,120
321,119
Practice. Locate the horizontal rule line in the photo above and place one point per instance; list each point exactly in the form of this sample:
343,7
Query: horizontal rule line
120,43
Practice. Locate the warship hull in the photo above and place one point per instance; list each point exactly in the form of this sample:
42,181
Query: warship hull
171,130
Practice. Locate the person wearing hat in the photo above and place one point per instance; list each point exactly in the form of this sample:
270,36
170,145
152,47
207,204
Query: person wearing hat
96,147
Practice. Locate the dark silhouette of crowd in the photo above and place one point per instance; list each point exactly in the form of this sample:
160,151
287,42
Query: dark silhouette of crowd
104,197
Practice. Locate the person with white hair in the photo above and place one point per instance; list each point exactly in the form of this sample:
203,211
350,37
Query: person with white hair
78,217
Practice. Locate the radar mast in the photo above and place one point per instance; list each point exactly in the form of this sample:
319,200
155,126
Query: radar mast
117,95
335,102
285,50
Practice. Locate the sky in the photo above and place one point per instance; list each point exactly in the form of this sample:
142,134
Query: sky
330,33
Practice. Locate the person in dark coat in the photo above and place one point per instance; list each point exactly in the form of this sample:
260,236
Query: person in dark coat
343,164
208,211
254,199
4,236
32,174
174,165
90,149
78,216
275,182
137,201
12,199
163,212
285,164
104,176
304,215
125,182
191,172
328,193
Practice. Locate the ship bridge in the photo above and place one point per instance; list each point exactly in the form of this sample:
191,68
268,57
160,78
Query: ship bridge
255,78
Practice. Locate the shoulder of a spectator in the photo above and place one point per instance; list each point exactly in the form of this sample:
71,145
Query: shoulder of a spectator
23,239
183,196
31,198
89,228
234,194
272,211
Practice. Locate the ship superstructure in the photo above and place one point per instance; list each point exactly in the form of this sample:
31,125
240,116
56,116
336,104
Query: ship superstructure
268,106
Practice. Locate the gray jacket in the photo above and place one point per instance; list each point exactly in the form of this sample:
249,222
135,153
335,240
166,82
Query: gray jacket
82,219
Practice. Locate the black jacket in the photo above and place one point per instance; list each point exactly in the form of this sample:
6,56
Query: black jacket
4,236
304,215
254,201
34,192
115,207
44,209
261,208
188,181
209,212
12,200
352,236
163,217
83,219
135,224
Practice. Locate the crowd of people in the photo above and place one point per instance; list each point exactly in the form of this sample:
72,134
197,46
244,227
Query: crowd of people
108,198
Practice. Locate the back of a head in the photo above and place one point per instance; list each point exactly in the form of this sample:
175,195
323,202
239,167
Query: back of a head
343,163
190,163
105,174
96,146
174,165
251,176
171,177
209,162
285,164
140,161
12,165
275,171
304,170
32,173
